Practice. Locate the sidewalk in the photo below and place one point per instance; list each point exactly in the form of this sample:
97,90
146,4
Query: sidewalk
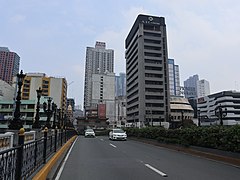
213,154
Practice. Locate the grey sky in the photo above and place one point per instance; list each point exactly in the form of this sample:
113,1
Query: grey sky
51,36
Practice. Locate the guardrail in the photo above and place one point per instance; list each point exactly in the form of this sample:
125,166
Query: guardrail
23,160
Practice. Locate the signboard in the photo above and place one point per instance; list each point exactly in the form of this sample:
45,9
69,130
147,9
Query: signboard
102,110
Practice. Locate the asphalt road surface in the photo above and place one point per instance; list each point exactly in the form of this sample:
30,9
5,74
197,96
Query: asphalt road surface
101,159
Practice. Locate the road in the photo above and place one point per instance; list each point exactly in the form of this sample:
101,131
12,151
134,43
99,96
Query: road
101,159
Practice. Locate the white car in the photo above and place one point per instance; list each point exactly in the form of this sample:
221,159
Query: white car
89,133
117,134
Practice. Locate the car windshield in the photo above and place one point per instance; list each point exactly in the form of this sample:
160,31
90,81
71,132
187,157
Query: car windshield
118,131
89,130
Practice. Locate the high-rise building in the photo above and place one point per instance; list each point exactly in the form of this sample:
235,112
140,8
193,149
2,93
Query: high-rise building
54,87
203,88
147,84
120,85
9,64
190,87
71,101
174,78
99,60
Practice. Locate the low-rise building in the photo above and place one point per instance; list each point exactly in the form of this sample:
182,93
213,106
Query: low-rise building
27,110
181,110
209,106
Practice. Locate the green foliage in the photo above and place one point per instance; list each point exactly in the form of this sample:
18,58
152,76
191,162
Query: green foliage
218,137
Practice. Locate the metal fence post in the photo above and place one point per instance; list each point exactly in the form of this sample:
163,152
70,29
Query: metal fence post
19,160
45,145
65,135
55,141
61,136
35,154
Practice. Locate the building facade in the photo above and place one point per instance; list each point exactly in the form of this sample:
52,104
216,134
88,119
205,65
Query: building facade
181,110
9,65
54,87
103,92
228,101
203,88
147,77
190,86
174,78
99,60
120,85
120,109
7,92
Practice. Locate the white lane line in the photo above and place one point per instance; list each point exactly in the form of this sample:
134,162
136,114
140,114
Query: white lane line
64,162
101,139
112,145
156,170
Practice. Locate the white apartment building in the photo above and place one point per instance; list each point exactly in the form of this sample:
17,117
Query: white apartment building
208,108
103,92
203,88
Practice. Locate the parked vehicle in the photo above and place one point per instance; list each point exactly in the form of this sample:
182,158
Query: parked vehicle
117,134
89,133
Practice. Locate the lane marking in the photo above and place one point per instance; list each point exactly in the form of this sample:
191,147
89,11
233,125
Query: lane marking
101,139
112,145
64,161
156,170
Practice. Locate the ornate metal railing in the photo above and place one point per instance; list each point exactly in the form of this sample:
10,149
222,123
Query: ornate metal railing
22,161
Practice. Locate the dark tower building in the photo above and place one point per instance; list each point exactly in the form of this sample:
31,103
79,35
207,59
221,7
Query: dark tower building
147,76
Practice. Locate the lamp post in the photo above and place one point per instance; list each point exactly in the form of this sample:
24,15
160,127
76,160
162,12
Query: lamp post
48,109
36,123
16,123
220,113
182,117
199,117
54,109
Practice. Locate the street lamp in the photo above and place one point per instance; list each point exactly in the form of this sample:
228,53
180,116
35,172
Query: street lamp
199,117
54,109
182,117
221,113
16,123
48,109
36,123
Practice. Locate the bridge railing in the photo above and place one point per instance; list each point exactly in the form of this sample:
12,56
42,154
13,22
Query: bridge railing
23,160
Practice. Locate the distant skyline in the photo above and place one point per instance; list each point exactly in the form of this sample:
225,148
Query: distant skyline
52,36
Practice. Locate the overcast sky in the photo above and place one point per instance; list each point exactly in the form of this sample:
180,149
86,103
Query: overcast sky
51,36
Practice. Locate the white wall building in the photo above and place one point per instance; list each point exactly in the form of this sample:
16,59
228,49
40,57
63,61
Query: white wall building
203,88
103,92
6,91
209,105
